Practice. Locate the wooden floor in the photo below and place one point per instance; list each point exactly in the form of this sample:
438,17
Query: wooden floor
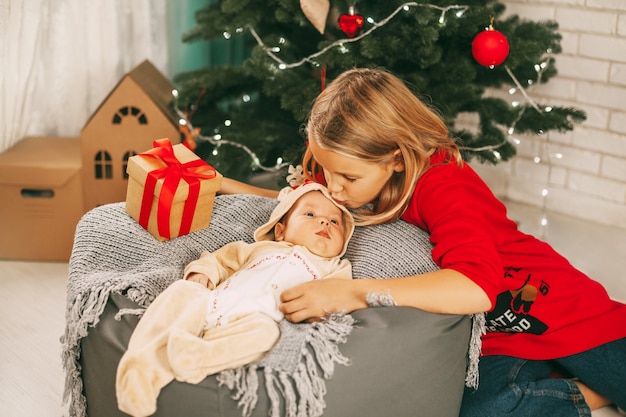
32,309
32,317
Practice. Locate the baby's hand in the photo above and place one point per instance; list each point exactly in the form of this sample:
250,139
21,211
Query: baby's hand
201,279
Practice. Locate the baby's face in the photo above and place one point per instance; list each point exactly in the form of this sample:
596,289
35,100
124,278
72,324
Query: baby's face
316,223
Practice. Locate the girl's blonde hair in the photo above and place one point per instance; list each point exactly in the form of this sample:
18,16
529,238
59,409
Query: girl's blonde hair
369,114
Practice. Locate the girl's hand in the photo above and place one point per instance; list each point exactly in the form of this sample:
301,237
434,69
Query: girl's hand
314,300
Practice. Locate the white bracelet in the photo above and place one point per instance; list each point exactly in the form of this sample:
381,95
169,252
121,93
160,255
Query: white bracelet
378,299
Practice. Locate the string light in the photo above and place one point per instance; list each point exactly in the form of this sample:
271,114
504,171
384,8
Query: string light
544,191
459,11
521,89
218,141
539,69
342,42
272,52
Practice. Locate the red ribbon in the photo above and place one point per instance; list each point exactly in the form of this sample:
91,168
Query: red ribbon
174,171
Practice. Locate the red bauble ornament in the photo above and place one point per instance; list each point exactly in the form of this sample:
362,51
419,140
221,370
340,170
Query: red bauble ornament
351,23
490,47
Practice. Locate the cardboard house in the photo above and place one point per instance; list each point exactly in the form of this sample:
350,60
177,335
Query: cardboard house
134,114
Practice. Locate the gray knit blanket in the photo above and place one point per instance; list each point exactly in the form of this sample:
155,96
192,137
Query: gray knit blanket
113,254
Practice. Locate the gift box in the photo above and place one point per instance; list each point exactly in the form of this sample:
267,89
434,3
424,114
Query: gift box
41,198
170,190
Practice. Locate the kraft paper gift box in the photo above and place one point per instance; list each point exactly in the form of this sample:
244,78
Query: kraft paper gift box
171,190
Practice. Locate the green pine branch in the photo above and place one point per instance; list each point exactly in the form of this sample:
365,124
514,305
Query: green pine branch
434,59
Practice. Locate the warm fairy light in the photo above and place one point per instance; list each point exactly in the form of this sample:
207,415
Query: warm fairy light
341,45
342,42
539,68
217,140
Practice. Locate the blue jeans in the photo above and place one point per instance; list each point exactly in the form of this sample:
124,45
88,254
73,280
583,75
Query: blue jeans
523,388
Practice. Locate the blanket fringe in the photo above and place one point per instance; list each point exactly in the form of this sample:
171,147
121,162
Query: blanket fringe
272,388
478,329
325,338
84,313
140,296
244,383
302,391
311,388
129,311
289,395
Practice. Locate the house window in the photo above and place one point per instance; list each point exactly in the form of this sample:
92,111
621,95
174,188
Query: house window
129,111
127,155
103,165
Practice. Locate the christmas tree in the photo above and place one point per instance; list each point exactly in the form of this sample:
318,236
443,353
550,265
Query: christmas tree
295,47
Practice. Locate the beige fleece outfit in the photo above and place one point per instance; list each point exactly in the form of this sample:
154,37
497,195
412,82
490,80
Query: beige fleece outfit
190,332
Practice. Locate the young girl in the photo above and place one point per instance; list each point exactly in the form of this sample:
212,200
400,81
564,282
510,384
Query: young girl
385,154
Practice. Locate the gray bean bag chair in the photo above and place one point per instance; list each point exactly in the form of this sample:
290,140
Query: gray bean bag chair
383,361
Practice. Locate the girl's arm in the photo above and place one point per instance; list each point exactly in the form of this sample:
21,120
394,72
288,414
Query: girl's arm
444,291
231,186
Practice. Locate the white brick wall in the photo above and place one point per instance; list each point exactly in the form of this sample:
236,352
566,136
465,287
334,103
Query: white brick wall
584,170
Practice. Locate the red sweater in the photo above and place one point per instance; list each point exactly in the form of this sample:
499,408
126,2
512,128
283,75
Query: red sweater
542,307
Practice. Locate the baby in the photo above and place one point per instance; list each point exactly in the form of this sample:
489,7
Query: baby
224,313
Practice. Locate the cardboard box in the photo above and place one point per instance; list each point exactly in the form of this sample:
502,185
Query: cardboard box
139,168
41,198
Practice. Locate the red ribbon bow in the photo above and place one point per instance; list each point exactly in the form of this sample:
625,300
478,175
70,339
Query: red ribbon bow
173,171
